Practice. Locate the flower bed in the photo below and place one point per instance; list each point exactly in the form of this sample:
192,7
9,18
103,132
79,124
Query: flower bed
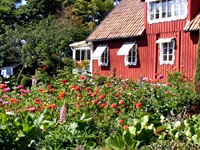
75,112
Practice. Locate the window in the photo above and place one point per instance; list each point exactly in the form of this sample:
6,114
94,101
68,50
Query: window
129,50
101,53
82,54
166,51
166,10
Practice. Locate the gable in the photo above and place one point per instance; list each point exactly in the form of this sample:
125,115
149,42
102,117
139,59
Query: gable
125,20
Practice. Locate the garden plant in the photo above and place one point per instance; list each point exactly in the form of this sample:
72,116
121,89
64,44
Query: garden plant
82,112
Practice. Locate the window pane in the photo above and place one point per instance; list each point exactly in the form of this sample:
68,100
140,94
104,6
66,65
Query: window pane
151,10
164,57
169,8
129,58
77,55
171,44
164,51
157,9
83,55
165,45
170,51
88,54
170,57
164,7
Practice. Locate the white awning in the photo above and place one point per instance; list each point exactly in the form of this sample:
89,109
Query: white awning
98,52
166,40
124,50
151,0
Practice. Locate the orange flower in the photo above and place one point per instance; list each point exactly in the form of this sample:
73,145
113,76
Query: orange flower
61,94
13,101
51,90
49,86
138,105
102,105
125,127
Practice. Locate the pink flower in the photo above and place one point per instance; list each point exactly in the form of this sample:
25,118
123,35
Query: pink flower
63,111
4,96
32,109
6,89
26,91
4,103
19,86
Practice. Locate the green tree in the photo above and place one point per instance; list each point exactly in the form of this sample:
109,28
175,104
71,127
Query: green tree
40,43
7,13
197,73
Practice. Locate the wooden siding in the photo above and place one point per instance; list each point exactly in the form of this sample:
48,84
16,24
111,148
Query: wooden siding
189,50
194,8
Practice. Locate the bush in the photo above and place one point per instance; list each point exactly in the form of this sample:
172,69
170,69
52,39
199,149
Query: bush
26,81
100,80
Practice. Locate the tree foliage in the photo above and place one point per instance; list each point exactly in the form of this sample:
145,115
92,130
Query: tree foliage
39,32
197,72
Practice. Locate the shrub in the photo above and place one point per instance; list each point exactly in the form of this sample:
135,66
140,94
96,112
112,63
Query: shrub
26,81
100,80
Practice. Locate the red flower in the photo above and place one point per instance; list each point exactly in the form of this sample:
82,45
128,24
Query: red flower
121,102
79,95
117,95
102,105
82,77
2,86
120,121
101,96
64,80
138,105
167,92
87,88
94,94
108,85
95,101
77,88
117,112
114,105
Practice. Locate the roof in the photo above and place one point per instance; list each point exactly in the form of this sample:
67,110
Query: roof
80,45
125,20
194,24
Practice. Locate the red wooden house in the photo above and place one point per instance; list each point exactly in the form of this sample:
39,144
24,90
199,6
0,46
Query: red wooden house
143,38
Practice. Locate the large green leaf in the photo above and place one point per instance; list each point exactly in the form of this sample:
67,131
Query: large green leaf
116,142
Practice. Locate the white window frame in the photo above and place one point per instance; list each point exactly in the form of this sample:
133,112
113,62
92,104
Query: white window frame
178,9
103,61
101,53
166,42
129,50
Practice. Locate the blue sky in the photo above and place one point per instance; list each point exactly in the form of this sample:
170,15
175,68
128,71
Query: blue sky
23,2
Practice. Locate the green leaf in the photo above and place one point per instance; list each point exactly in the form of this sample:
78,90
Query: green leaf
116,142
132,130
39,120
129,140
